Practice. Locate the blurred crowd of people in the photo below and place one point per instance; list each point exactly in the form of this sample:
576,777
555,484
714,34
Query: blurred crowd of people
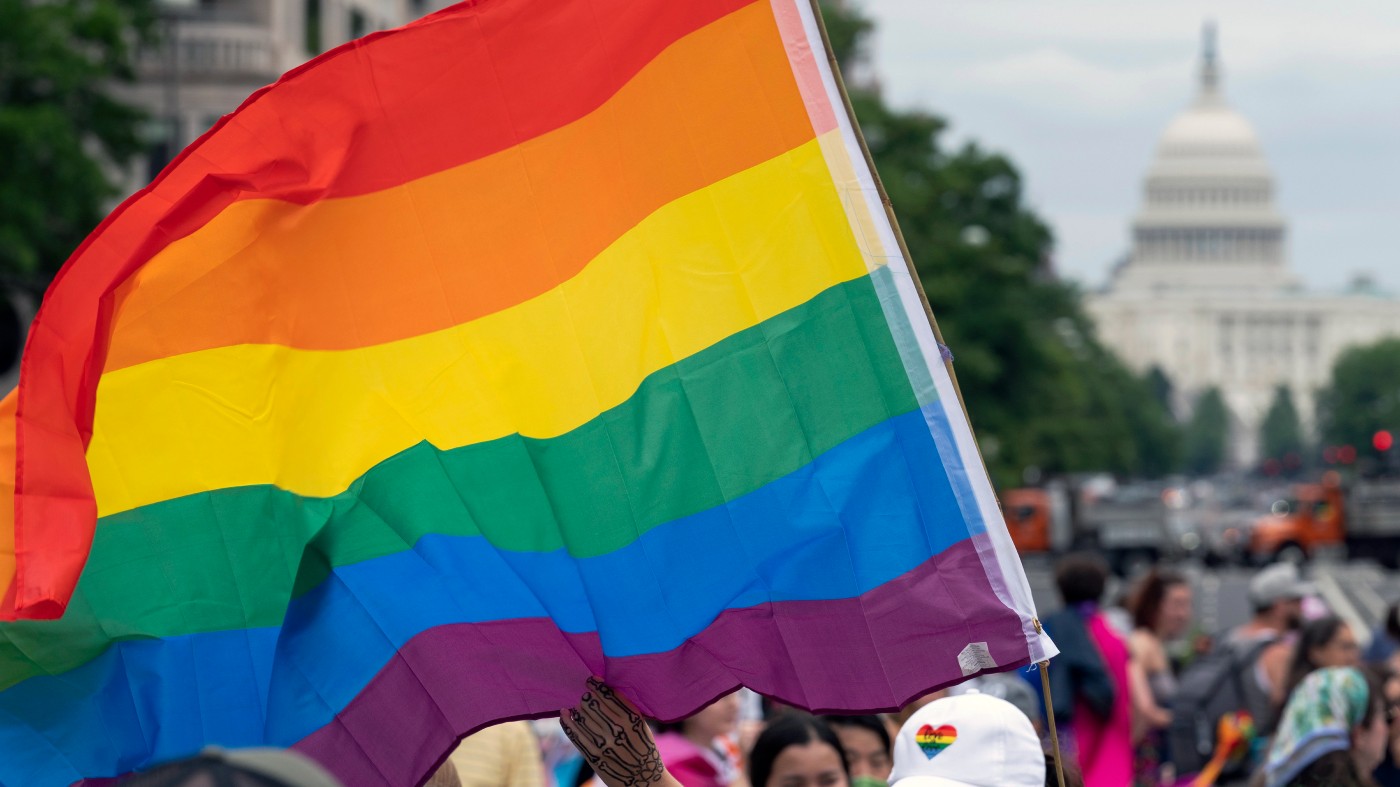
974,738
1288,699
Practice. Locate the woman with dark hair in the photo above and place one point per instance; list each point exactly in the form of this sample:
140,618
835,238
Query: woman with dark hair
1161,609
1090,683
697,750
1325,642
1385,640
1332,733
798,750
866,741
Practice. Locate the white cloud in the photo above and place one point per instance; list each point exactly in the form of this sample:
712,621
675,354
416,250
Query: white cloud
1077,92
1058,79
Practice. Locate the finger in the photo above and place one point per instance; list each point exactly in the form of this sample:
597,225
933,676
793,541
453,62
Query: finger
614,699
635,734
570,734
608,738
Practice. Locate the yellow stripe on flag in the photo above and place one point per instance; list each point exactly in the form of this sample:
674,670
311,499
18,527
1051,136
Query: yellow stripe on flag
705,266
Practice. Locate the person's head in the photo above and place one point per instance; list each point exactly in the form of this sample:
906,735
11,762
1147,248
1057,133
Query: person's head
968,740
914,705
1081,577
1009,687
1334,711
1392,622
1277,594
1162,604
866,741
1325,642
1329,642
798,750
257,767
720,717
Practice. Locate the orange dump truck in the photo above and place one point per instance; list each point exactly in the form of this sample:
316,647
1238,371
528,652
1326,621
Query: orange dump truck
1362,520
1029,517
1127,526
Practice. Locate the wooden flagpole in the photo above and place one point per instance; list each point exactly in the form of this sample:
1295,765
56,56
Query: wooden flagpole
928,311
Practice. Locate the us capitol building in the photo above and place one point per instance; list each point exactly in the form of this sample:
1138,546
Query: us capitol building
1206,293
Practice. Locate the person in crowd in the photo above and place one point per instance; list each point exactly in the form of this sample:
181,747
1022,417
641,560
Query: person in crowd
1385,640
972,740
700,751
1090,684
866,741
1161,609
902,715
444,776
1060,775
798,750
1333,732
1388,773
1276,594
502,755
1009,687
1325,642
257,767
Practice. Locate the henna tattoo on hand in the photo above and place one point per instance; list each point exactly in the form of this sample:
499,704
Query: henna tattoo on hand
614,738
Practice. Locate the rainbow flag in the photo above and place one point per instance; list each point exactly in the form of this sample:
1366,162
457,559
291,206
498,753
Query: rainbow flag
533,340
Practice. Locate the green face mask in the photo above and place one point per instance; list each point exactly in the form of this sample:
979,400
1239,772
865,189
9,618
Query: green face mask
867,781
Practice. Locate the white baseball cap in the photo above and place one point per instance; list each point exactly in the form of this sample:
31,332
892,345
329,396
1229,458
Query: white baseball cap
1279,582
970,740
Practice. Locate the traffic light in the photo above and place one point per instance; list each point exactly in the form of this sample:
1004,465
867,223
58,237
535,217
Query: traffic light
1382,440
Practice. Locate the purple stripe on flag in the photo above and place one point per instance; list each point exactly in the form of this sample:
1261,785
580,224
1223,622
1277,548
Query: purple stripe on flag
872,652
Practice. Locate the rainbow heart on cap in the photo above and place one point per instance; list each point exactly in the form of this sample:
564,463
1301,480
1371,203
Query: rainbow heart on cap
933,740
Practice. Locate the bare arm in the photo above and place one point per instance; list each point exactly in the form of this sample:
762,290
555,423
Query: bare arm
1144,652
615,740
1274,663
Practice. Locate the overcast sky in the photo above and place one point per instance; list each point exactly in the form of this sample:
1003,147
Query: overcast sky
1078,91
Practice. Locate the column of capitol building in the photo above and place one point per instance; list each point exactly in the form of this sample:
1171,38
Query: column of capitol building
1206,293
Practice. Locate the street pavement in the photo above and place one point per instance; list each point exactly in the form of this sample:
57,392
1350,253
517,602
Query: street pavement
1358,591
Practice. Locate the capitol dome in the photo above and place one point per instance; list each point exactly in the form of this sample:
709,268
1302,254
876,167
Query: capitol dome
1210,134
1208,220
1209,127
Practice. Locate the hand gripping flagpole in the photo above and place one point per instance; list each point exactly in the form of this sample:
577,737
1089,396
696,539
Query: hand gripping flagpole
932,321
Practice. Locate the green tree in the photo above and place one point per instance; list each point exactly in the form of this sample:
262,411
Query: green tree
1162,389
1363,396
1281,433
1207,434
58,124
1037,383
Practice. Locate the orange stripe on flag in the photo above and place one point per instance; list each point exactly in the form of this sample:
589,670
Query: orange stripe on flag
480,233
7,500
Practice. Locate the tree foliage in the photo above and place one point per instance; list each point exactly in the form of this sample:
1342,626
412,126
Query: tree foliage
1363,396
1041,390
58,123
1162,389
1281,432
1207,434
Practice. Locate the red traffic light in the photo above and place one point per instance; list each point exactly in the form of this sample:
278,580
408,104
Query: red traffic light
1382,440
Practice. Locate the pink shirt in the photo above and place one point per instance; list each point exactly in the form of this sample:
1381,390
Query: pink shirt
693,766
1106,746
